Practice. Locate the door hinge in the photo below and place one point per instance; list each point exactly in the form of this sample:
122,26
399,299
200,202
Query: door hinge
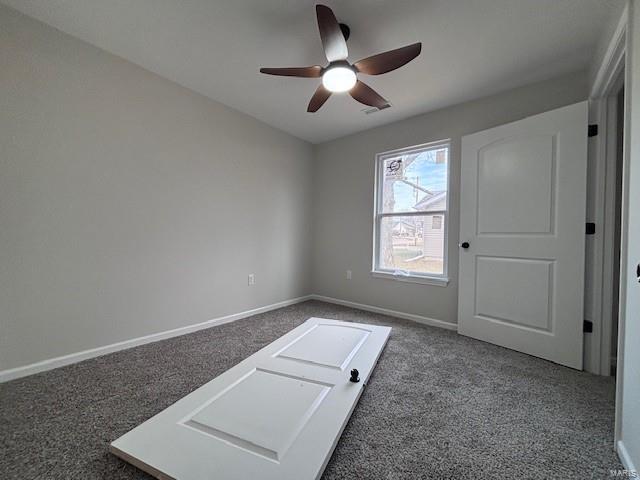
587,326
590,228
593,130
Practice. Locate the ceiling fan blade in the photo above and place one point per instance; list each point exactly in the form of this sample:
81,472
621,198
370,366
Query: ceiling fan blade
367,95
308,72
335,46
388,61
318,99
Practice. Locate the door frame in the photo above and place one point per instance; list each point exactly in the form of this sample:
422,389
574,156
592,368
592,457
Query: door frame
603,112
603,102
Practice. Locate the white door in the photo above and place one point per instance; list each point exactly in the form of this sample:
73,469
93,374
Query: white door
522,227
276,415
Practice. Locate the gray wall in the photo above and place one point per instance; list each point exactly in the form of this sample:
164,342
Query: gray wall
130,205
631,294
343,195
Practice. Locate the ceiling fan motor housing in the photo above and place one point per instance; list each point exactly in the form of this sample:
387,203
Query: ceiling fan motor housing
338,63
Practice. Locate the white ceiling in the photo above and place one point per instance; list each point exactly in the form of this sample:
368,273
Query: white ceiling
471,48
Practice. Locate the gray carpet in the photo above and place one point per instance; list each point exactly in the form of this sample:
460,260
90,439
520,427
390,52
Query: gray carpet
438,406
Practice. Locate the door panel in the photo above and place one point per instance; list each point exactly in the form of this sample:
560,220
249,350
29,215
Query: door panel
521,169
276,407
331,346
499,283
276,415
523,196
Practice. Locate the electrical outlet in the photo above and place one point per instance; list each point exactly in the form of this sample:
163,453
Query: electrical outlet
348,274
252,279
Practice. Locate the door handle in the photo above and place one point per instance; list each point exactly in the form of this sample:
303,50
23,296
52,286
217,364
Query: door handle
464,245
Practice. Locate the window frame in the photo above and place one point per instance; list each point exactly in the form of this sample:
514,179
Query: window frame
405,276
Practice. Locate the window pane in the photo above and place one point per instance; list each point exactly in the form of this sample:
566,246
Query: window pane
412,244
415,182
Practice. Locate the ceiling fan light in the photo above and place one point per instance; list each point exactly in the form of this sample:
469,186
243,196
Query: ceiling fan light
339,79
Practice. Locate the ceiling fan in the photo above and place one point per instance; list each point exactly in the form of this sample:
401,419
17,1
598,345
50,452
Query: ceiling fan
341,76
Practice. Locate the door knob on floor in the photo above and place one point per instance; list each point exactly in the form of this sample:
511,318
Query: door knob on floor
464,245
355,376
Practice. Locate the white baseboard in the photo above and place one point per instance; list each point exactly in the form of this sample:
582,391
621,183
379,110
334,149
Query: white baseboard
18,372
50,364
392,313
625,458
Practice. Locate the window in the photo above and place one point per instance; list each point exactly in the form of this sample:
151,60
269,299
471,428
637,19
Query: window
411,214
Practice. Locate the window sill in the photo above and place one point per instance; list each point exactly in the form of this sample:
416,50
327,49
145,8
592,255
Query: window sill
438,281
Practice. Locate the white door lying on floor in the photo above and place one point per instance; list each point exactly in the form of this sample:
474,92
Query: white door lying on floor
276,415
522,227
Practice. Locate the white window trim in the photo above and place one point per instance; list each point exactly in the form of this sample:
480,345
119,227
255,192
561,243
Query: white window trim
404,276
412,278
